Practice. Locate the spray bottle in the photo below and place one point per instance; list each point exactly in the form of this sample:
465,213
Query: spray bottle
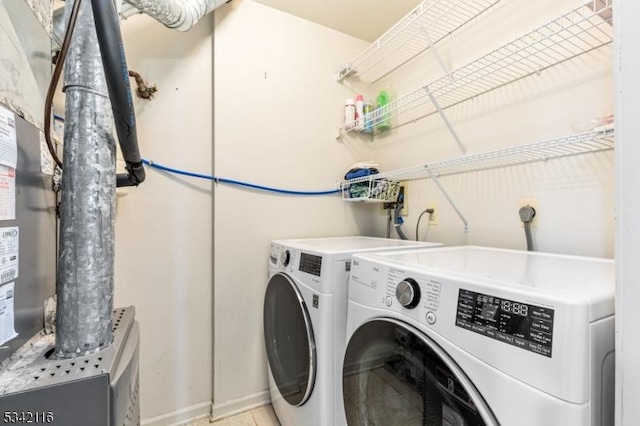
368,123
383,121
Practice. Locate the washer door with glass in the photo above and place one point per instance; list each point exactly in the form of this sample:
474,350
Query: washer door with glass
395,375
288,336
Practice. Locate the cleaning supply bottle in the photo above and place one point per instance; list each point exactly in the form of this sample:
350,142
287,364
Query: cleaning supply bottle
368,124
359,113
383,121
349,114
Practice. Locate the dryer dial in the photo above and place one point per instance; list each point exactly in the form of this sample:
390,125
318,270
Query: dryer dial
408,293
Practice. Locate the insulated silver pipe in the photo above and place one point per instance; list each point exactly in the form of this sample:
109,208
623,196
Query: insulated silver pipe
181,15
87,223
59,22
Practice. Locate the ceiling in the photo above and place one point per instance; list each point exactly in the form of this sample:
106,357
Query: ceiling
364,19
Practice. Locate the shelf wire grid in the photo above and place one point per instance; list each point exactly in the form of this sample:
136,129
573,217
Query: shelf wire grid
583,143
577,32
406,40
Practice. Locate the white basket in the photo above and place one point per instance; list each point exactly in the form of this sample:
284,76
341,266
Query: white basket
371,191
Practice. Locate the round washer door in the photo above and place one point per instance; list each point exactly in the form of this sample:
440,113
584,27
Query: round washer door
288,337
395,375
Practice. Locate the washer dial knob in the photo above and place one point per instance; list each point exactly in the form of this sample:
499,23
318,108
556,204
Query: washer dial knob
285,258
408,293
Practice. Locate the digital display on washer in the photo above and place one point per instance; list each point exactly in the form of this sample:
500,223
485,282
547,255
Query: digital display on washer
519,324
310,264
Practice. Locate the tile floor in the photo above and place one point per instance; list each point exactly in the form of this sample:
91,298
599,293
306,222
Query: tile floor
261,416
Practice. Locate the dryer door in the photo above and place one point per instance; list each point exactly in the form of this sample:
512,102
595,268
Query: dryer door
288,336
395,375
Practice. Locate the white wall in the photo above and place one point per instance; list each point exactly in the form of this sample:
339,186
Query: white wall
575,195
276,106
164,227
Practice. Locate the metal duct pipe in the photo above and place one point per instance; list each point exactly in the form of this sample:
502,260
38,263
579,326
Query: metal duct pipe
59,23
181,15
87,225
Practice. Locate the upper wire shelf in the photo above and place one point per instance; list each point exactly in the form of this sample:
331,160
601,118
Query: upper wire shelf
593,141
579,31
430,22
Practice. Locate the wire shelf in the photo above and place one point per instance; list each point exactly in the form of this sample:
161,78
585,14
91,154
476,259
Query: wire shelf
582,30
430,22
583,143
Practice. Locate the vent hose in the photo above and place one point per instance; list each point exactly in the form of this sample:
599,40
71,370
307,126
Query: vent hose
117,77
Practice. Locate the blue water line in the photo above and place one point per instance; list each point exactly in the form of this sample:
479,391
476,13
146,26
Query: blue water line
228,181
237,182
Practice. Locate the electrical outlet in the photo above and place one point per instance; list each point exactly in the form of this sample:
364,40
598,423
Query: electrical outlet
532,202
433,217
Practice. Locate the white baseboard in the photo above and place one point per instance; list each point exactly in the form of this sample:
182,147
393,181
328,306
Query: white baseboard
240,405
189,414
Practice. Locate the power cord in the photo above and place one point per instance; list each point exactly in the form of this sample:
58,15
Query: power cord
430,211
527,213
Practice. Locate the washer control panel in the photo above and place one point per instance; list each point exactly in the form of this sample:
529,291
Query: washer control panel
519,324
412,294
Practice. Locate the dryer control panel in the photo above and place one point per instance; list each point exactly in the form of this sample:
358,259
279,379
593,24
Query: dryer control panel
519,324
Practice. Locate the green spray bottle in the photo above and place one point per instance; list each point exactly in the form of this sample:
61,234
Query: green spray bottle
384,117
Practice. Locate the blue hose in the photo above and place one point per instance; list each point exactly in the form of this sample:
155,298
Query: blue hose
228,181
236,182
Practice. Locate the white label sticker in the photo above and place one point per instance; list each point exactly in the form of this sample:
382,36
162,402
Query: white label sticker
8,140
46,160
7,328
7,193
9,240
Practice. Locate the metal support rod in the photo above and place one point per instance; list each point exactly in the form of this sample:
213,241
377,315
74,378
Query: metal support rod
87,223
435,103
435,51
446,120
449,200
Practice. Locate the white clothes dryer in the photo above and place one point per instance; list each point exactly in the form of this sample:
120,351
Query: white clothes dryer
305,313
469,336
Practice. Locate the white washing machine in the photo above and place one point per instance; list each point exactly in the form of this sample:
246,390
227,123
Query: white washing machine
478,336
305,313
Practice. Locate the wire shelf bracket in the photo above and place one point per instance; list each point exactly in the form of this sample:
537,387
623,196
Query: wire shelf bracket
449,200
434,49
447,71
446,121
